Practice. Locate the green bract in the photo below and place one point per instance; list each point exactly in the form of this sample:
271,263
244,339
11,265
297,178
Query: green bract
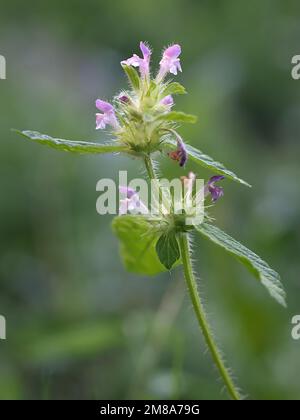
144,115
167,249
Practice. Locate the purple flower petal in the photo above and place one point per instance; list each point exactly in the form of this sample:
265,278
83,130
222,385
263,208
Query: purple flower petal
167,101
173,52
108,117
127,191
145,51
215,191
100,122
123,208
104,106
132,202
134,61
181,154
170,62
216,178
142,63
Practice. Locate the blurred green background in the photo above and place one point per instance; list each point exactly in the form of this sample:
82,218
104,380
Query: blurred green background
78,325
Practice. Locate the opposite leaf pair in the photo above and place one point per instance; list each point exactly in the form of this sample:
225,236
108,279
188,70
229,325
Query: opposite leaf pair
145,253
143,123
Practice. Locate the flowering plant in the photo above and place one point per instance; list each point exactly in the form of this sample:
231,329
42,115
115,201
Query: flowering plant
144,124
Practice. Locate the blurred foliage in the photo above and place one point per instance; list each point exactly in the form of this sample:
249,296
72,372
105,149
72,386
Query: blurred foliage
78,325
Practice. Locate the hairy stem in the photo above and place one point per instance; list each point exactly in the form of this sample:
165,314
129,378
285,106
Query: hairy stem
201,317
152,176
197,303
149,167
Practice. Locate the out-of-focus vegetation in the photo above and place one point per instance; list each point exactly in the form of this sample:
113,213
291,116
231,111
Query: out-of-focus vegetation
79,326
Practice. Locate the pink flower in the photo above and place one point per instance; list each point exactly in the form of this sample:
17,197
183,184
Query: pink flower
108,117
132,202
127,191
170,61
142,63
167,101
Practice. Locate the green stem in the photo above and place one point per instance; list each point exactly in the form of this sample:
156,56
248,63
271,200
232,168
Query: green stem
197,303
149,167
201,317
152,176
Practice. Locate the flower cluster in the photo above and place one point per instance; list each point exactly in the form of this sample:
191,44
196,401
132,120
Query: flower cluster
133,204
141,117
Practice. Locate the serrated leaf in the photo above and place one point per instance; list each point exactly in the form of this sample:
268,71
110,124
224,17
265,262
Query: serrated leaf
133,76
167,249
137,245
268,277
173,88
209,163
70,145
178,117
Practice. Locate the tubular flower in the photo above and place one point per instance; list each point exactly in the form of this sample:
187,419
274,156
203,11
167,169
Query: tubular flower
167,101
108,116
215,191
142,63
131,203
180,155
170,62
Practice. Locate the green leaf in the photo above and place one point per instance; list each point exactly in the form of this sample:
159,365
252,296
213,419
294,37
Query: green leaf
178,117
173,89
168,250
209,163
152,88
268,277
138,242
133,76
72,146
